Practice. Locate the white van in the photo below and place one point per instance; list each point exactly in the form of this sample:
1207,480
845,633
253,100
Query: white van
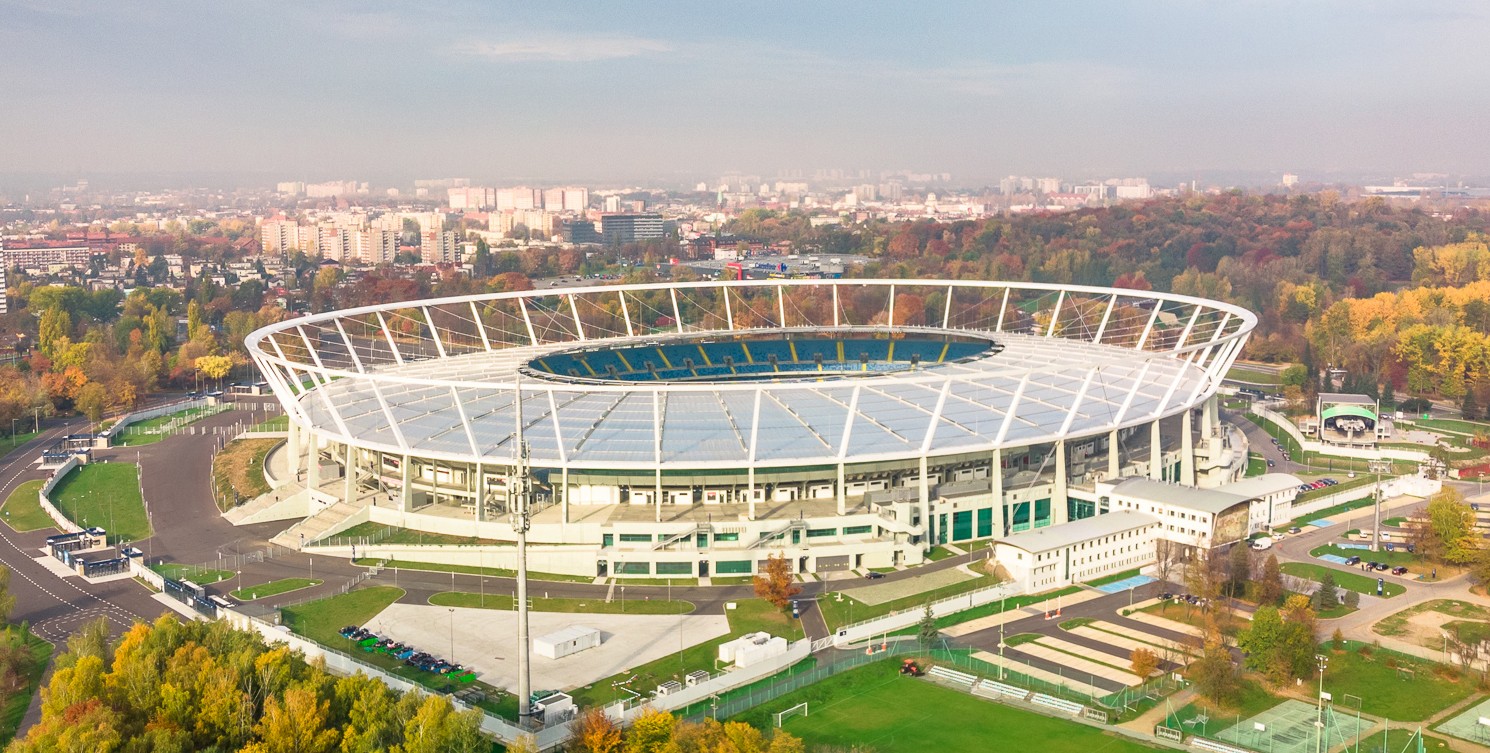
1266,542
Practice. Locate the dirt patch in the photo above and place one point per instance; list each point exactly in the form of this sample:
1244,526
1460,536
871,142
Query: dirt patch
238,471
1422,625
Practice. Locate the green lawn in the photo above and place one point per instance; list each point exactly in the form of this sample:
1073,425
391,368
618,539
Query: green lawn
105,495
539,604
194,573
939,553
874,707
1399,557
1396,624
1398,740
238,471
1354,504
1394,522
851,610
1113,578
278,423
274,588
1345,484
998,607
748,616
495,572
1393,685
1254,699
22,511
1453,424
12,443
1255,376
14,703
407,537
153,430
1257,465
1344,578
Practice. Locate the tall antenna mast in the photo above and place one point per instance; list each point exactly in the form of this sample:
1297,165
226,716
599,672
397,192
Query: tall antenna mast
520,524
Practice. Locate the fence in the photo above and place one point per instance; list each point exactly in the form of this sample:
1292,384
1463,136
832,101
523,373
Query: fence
1359,453
44,498
145,415
909,616
352,541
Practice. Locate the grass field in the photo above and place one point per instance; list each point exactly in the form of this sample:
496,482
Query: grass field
875,708
105,495
153,430
749,616
1354,504
15,701
278,423
1253,699
386,534
1254,376
1345,484
1399,557
22,512
12,443
1257,465
1344,578
238,471
274,588
1396,624
193,573
1396,686
539,604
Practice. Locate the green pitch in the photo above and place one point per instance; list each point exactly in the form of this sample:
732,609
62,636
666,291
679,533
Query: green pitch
874,706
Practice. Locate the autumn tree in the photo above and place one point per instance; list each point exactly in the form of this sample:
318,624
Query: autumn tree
594,732
775,584
1143,661
1270,587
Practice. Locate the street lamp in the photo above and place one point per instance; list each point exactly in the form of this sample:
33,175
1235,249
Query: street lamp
452,635
1322,660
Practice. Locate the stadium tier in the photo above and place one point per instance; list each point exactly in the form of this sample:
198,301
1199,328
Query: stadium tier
692,429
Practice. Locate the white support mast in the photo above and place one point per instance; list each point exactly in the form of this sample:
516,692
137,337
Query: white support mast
520,524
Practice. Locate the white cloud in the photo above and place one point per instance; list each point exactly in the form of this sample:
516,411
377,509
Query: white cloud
564,49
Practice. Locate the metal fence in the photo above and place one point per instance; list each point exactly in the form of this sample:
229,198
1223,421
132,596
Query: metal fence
352,541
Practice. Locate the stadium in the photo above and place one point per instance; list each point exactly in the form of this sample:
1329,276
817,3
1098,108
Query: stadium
692,429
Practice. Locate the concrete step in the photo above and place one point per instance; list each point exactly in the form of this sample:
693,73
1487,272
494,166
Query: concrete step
315,526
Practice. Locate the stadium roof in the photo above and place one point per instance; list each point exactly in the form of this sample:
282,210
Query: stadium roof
439,379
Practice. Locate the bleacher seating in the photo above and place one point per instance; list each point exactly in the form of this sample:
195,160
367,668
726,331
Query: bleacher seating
1070,707
952,676
749,357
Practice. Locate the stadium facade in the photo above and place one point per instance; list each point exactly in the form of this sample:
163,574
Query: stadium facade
687,429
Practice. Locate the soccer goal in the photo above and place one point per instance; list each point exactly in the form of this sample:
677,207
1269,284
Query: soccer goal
797,710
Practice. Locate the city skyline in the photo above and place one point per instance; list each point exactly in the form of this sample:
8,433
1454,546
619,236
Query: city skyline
600,93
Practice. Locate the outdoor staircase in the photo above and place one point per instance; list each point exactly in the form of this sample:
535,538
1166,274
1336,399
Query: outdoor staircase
315,526
682,536
770,537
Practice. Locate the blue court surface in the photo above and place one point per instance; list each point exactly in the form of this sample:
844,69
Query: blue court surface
1335,558
1125,584
1322,523
1361,547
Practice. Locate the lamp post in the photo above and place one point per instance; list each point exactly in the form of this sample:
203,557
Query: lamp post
14,420
1322,660
452,635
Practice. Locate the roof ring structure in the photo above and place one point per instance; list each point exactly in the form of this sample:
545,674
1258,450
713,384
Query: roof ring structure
759,373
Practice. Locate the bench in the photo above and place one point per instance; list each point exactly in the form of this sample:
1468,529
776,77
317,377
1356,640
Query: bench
952,676
993,689
1070,707
1213,746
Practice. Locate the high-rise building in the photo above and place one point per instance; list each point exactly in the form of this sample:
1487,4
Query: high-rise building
521,197
629,227
375,246
438,247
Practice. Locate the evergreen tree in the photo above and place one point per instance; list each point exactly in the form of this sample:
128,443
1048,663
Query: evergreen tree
1326,597
1270,588
927,632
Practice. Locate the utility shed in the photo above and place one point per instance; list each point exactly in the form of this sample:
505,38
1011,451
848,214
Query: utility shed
570,640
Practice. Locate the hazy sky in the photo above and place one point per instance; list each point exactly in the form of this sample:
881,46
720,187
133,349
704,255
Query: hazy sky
312,90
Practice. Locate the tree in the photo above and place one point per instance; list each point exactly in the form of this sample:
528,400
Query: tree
926,631
775,584
1239,568
594,732
651,732
1270,589
7,599
1144,662
214,367
1352,599
1326,597
1451,523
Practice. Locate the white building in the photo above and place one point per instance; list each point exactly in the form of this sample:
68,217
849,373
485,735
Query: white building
1200,519
569,640
1081,550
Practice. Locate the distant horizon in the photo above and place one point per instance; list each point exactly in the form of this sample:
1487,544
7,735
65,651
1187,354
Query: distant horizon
671,91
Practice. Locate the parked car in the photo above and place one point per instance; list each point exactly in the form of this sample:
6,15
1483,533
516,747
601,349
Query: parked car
1399,570
1270,464
1295,530
872,575
1352,560
1381,566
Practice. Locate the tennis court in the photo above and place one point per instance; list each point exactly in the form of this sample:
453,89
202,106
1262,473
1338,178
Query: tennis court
1335,558
1289,728
1321,523
1466,725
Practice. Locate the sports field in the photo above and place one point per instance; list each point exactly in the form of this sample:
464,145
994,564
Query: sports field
874,707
